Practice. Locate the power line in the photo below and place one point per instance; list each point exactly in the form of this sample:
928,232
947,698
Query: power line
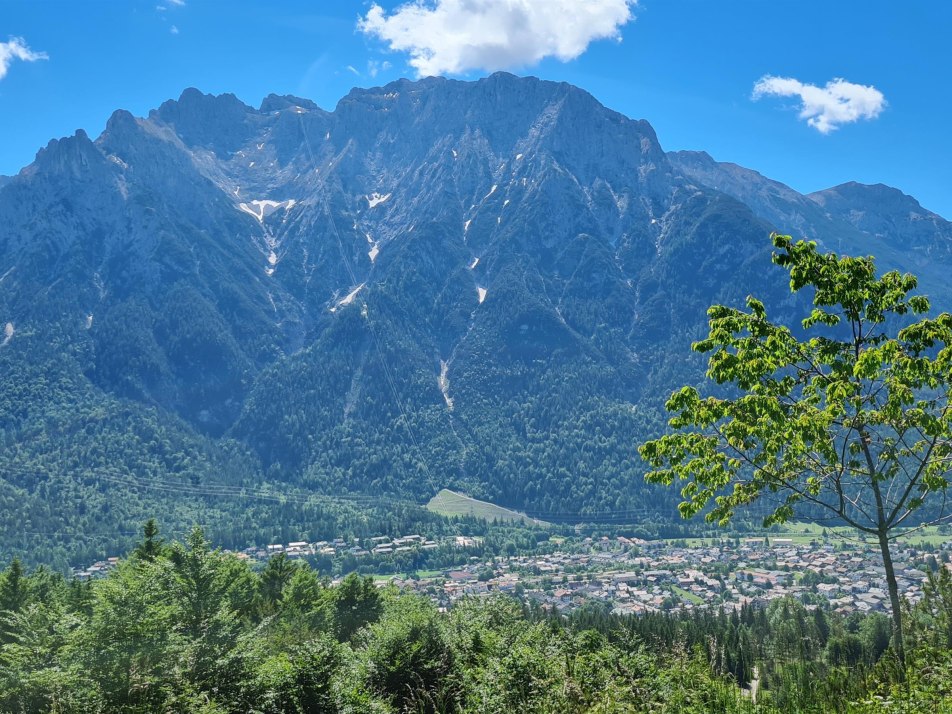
222,490
312,499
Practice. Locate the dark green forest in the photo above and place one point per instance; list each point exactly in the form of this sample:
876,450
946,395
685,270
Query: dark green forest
78,464
182,627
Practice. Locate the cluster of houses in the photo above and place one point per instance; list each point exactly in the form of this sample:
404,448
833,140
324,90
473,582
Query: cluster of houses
381,545
635,577
96,570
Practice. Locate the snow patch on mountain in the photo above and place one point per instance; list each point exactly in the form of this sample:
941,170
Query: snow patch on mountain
349,298
261,209
375,199
444,381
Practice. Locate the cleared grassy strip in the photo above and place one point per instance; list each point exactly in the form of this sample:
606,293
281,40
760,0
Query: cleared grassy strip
802,533
689,596
450,503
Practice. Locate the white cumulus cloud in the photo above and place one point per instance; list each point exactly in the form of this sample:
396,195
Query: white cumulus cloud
16,49
456,36
826,108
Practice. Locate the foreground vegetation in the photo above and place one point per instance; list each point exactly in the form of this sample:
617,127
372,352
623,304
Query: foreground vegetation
181,627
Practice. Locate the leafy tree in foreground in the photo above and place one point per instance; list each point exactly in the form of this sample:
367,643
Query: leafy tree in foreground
356,604
853,419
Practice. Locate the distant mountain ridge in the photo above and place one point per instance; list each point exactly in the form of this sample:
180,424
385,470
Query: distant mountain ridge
851,218
485,285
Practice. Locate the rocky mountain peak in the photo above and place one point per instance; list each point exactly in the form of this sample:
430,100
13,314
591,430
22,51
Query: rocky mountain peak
74,157
877,197
220,123
277,103
891,216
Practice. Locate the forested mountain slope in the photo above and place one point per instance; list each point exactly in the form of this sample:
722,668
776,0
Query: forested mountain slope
487,285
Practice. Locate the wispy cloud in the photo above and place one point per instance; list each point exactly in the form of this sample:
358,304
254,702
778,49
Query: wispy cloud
374,67
179,3
456,36
17,49
174,30
826,108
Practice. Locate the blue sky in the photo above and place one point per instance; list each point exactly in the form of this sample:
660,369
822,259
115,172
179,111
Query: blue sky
687,66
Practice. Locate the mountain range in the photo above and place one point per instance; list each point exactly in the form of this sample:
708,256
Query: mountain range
489,286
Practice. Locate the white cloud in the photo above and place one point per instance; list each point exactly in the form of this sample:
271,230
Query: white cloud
825,108
173,30
352,69
180,3
456,36
16,49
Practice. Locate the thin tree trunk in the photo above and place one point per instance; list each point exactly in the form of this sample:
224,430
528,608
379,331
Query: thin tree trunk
883,532
898,644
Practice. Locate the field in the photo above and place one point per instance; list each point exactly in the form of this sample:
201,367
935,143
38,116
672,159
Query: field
689,596
450,503
801,533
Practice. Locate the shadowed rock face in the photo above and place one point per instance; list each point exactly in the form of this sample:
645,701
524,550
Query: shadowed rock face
489,284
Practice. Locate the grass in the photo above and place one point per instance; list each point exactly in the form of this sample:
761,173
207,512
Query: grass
450,503
422,574
429,573
801,533
689,596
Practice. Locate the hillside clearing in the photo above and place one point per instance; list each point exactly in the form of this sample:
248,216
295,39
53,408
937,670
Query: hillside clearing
450,503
